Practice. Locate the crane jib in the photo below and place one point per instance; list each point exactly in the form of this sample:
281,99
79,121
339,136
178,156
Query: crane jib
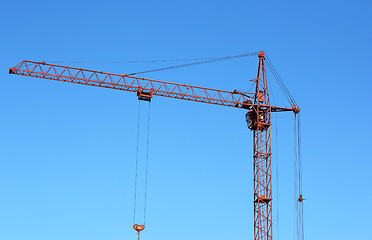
144,87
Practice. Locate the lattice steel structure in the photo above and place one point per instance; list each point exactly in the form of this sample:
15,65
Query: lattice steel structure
259,121
258,117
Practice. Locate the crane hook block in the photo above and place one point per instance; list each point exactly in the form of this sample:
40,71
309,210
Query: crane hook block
300,198
138,228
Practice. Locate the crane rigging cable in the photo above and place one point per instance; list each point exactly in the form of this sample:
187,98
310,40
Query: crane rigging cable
281,83
139,61
277,160
136,176
158,61
277,176
136,226
298,208
195,63
147,163
295,187
300,199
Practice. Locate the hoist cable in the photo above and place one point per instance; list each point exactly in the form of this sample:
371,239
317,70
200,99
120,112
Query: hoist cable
277,176
299,154
300,203
295,176
277,160
147,162
196,63
299,224
136,175
137,163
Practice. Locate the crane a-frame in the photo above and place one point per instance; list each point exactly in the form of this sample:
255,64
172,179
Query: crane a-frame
258,117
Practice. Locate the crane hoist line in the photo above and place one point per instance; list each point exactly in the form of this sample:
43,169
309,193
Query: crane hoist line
141,227
256,103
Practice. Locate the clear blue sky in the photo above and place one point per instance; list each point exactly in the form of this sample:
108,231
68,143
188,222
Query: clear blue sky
67,152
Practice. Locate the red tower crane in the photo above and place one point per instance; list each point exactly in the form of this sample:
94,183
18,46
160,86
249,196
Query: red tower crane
258,117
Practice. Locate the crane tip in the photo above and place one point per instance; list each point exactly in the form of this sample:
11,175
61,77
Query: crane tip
296,109
261,54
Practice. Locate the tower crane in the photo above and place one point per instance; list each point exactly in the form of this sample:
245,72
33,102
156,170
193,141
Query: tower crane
258,116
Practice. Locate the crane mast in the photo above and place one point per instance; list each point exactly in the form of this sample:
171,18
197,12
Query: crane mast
258,117
259,121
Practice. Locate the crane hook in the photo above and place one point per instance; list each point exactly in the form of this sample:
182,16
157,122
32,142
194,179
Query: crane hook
138,228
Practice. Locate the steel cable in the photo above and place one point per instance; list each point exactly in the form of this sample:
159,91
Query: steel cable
277,175
299,224
280,82
137,164
136,175
196,63
282,85
279,79
138,61
155,61
301,209
147,162
295,176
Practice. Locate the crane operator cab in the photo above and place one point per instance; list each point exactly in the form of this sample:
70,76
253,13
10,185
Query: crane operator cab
257,118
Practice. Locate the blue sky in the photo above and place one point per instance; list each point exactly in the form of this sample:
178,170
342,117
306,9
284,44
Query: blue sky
68,152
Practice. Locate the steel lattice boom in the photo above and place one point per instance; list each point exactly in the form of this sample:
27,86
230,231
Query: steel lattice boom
258,117
143,86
